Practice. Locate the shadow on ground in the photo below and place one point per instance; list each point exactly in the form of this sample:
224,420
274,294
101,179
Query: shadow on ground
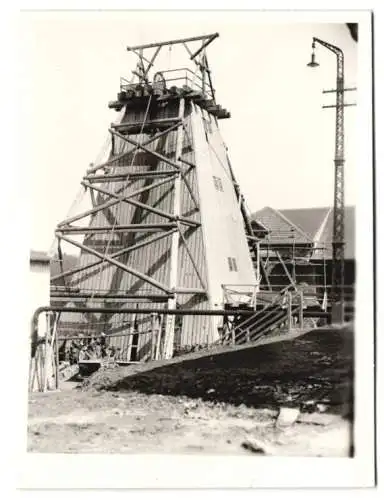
314,368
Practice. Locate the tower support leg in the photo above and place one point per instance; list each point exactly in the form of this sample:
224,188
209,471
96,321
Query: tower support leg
170,320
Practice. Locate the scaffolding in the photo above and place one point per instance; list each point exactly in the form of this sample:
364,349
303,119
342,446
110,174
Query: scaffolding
300,266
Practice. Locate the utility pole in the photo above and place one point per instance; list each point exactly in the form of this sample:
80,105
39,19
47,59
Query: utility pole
338,201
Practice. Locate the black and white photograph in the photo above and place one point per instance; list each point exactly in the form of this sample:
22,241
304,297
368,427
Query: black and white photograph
201,237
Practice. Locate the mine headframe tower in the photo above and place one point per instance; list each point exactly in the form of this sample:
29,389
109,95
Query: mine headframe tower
167,226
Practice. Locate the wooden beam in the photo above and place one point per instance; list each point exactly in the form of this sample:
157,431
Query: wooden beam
192,165
174,257
204,45
172,42
189,188
133,49
150,64
116,263
187,49
125,297
203,284
110,203
265,274
128,176
172,123
293,284
121,228
190,291
130,249
141,146
126,153
128,199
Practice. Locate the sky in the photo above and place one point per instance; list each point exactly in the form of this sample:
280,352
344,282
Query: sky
280,140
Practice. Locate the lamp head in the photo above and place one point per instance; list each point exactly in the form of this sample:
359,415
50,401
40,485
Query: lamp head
313,63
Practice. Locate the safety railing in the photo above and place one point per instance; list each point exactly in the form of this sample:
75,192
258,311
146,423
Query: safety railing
320,292
279,313
178,77
240,295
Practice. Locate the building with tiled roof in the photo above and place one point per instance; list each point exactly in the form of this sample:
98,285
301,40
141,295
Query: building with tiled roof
303,239
305,226
280,228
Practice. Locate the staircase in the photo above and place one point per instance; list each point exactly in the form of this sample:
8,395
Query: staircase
278,314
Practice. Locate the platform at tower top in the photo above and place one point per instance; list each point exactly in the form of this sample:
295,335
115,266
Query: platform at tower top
135,95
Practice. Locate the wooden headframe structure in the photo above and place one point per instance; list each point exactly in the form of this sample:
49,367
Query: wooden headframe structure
167,226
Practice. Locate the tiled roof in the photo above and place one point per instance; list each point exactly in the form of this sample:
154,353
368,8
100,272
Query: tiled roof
281,229
305,224
309,220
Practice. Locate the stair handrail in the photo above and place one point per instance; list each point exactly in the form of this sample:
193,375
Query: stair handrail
278,298
265,320
266,323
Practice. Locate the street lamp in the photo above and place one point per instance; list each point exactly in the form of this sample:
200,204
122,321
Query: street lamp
338,204
313,63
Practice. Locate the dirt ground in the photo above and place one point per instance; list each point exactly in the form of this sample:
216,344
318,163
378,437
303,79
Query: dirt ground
225,403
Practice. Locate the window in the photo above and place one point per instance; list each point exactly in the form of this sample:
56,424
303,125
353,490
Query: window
232,264
218,184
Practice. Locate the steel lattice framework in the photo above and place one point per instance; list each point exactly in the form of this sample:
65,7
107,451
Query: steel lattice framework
338,202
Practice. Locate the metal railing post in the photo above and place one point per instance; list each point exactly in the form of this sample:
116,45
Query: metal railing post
46,357
158,340
301,310
153,336
289,311
55,350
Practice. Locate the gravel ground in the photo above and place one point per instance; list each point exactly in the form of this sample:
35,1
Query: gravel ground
109,422
227,402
